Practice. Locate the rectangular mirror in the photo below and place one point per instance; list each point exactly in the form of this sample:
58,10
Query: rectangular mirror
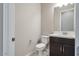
64,18
67,20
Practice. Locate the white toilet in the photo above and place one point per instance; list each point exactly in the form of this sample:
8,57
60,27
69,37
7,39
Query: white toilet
40,47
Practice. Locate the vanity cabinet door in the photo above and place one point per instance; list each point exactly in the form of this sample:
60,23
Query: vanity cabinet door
55,47
68,50
60,52
62,46
68,46
54,50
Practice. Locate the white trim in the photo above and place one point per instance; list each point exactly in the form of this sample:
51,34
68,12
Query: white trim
75,18
67,10
60,21
8,29
11,29
75,26
5,30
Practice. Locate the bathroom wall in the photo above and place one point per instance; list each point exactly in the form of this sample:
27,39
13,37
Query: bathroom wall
47,21
1,29
27,27
57,16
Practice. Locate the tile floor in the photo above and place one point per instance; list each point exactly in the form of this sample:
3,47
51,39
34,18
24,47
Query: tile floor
44,53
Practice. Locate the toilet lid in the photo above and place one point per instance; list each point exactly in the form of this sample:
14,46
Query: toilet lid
40,45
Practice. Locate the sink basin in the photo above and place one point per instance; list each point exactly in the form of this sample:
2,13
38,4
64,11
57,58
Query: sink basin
63,34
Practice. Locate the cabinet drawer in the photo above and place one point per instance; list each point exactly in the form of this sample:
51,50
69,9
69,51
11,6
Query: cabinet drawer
67,41
62,40
54,39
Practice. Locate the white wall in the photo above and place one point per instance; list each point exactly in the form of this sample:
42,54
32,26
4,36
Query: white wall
47,20
1,29
27,27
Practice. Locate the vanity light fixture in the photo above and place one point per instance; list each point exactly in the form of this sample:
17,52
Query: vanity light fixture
61,4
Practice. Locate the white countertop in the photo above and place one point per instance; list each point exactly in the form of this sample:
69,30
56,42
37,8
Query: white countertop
63,34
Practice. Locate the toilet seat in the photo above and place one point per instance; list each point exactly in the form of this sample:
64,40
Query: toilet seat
40,45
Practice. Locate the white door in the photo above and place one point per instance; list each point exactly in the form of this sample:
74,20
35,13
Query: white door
8,29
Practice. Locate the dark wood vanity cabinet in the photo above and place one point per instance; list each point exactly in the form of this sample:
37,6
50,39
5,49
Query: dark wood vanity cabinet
62,46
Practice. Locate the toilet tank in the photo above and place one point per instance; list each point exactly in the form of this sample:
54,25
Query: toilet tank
45,39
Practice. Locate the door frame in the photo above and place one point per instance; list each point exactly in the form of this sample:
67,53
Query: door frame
8,29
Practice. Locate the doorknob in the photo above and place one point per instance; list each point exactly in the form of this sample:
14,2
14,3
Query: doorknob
13,39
